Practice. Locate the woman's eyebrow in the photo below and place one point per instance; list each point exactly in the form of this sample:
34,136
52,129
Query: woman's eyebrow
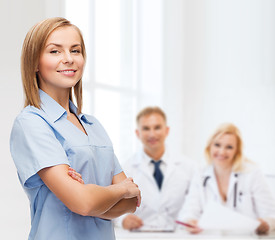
55,44
60,45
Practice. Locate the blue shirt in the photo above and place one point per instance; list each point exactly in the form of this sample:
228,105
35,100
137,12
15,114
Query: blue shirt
44,137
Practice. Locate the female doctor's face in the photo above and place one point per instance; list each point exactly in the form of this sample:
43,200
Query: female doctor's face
223,150
61,63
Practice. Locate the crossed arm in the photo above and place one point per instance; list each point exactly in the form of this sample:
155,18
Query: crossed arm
123,196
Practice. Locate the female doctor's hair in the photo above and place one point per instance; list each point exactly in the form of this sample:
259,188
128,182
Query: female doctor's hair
151,110
33,46
227,128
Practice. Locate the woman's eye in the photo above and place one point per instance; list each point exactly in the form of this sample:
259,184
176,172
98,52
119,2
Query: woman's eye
75,51
216,144
229,147
54,51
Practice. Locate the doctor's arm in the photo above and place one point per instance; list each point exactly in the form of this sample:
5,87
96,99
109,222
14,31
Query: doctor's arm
264,203
192,207
88,199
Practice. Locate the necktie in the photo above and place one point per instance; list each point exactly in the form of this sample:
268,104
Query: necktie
157,173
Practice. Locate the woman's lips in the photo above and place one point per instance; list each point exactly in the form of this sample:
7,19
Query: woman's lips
67,72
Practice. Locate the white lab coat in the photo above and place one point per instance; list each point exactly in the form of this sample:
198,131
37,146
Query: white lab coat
160,207
248,193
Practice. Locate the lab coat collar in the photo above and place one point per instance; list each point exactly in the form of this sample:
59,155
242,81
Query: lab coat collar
148,159
167,158
210,172
212,181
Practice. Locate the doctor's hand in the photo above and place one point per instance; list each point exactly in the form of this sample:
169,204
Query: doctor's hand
75,175
195,229
263,228
131,222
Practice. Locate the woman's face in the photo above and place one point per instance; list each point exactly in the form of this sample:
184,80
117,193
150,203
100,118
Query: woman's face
223,150
61,63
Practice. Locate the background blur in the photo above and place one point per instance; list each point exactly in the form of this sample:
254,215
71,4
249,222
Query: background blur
203,61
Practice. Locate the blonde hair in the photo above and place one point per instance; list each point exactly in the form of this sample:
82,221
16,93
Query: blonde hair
227,128
33,45
150,110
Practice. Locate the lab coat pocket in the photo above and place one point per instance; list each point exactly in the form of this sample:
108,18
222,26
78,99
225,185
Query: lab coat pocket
245,204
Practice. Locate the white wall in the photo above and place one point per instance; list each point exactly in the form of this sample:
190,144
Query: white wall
222,72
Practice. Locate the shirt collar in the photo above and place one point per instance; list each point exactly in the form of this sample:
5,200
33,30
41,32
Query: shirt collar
85,118
148,158
55,111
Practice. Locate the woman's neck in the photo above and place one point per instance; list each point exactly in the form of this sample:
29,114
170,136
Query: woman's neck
223,176
222,172
61,96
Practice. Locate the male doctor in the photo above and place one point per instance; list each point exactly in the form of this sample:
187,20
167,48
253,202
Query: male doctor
162,175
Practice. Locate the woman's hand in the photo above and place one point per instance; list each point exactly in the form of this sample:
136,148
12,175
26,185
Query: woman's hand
131,189
195,228
263,228
131,222
75,175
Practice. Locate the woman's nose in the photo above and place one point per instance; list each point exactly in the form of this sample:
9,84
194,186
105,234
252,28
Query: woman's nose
67,58
221,151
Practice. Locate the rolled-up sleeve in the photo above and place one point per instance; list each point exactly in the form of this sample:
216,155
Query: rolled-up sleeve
34,146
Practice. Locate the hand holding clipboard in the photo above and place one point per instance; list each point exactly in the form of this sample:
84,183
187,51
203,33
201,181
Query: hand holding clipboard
190,227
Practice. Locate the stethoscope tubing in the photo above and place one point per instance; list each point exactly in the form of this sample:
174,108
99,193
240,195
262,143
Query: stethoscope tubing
235,189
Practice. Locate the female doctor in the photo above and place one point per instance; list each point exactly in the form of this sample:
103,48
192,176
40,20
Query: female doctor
229,179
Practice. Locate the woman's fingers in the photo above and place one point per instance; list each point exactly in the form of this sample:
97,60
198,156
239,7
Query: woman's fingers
263,228
195,229
75,175
132,222
138,200
132,190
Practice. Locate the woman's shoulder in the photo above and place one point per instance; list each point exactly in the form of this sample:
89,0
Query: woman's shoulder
30,112
31,117
248,165
251,168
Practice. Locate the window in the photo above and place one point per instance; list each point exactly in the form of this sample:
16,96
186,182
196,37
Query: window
121,73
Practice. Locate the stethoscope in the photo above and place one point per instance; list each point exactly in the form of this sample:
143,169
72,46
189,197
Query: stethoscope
235,188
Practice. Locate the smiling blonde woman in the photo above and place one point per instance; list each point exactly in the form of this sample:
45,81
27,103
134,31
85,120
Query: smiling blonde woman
51,135
231,180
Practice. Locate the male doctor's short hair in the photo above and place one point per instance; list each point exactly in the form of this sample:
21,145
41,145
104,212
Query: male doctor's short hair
149,111
33,46
227,128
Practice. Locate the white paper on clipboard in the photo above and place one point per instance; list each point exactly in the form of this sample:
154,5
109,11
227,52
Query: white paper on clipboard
218,217
146,228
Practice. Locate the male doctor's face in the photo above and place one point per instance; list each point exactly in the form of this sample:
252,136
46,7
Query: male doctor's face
152,131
